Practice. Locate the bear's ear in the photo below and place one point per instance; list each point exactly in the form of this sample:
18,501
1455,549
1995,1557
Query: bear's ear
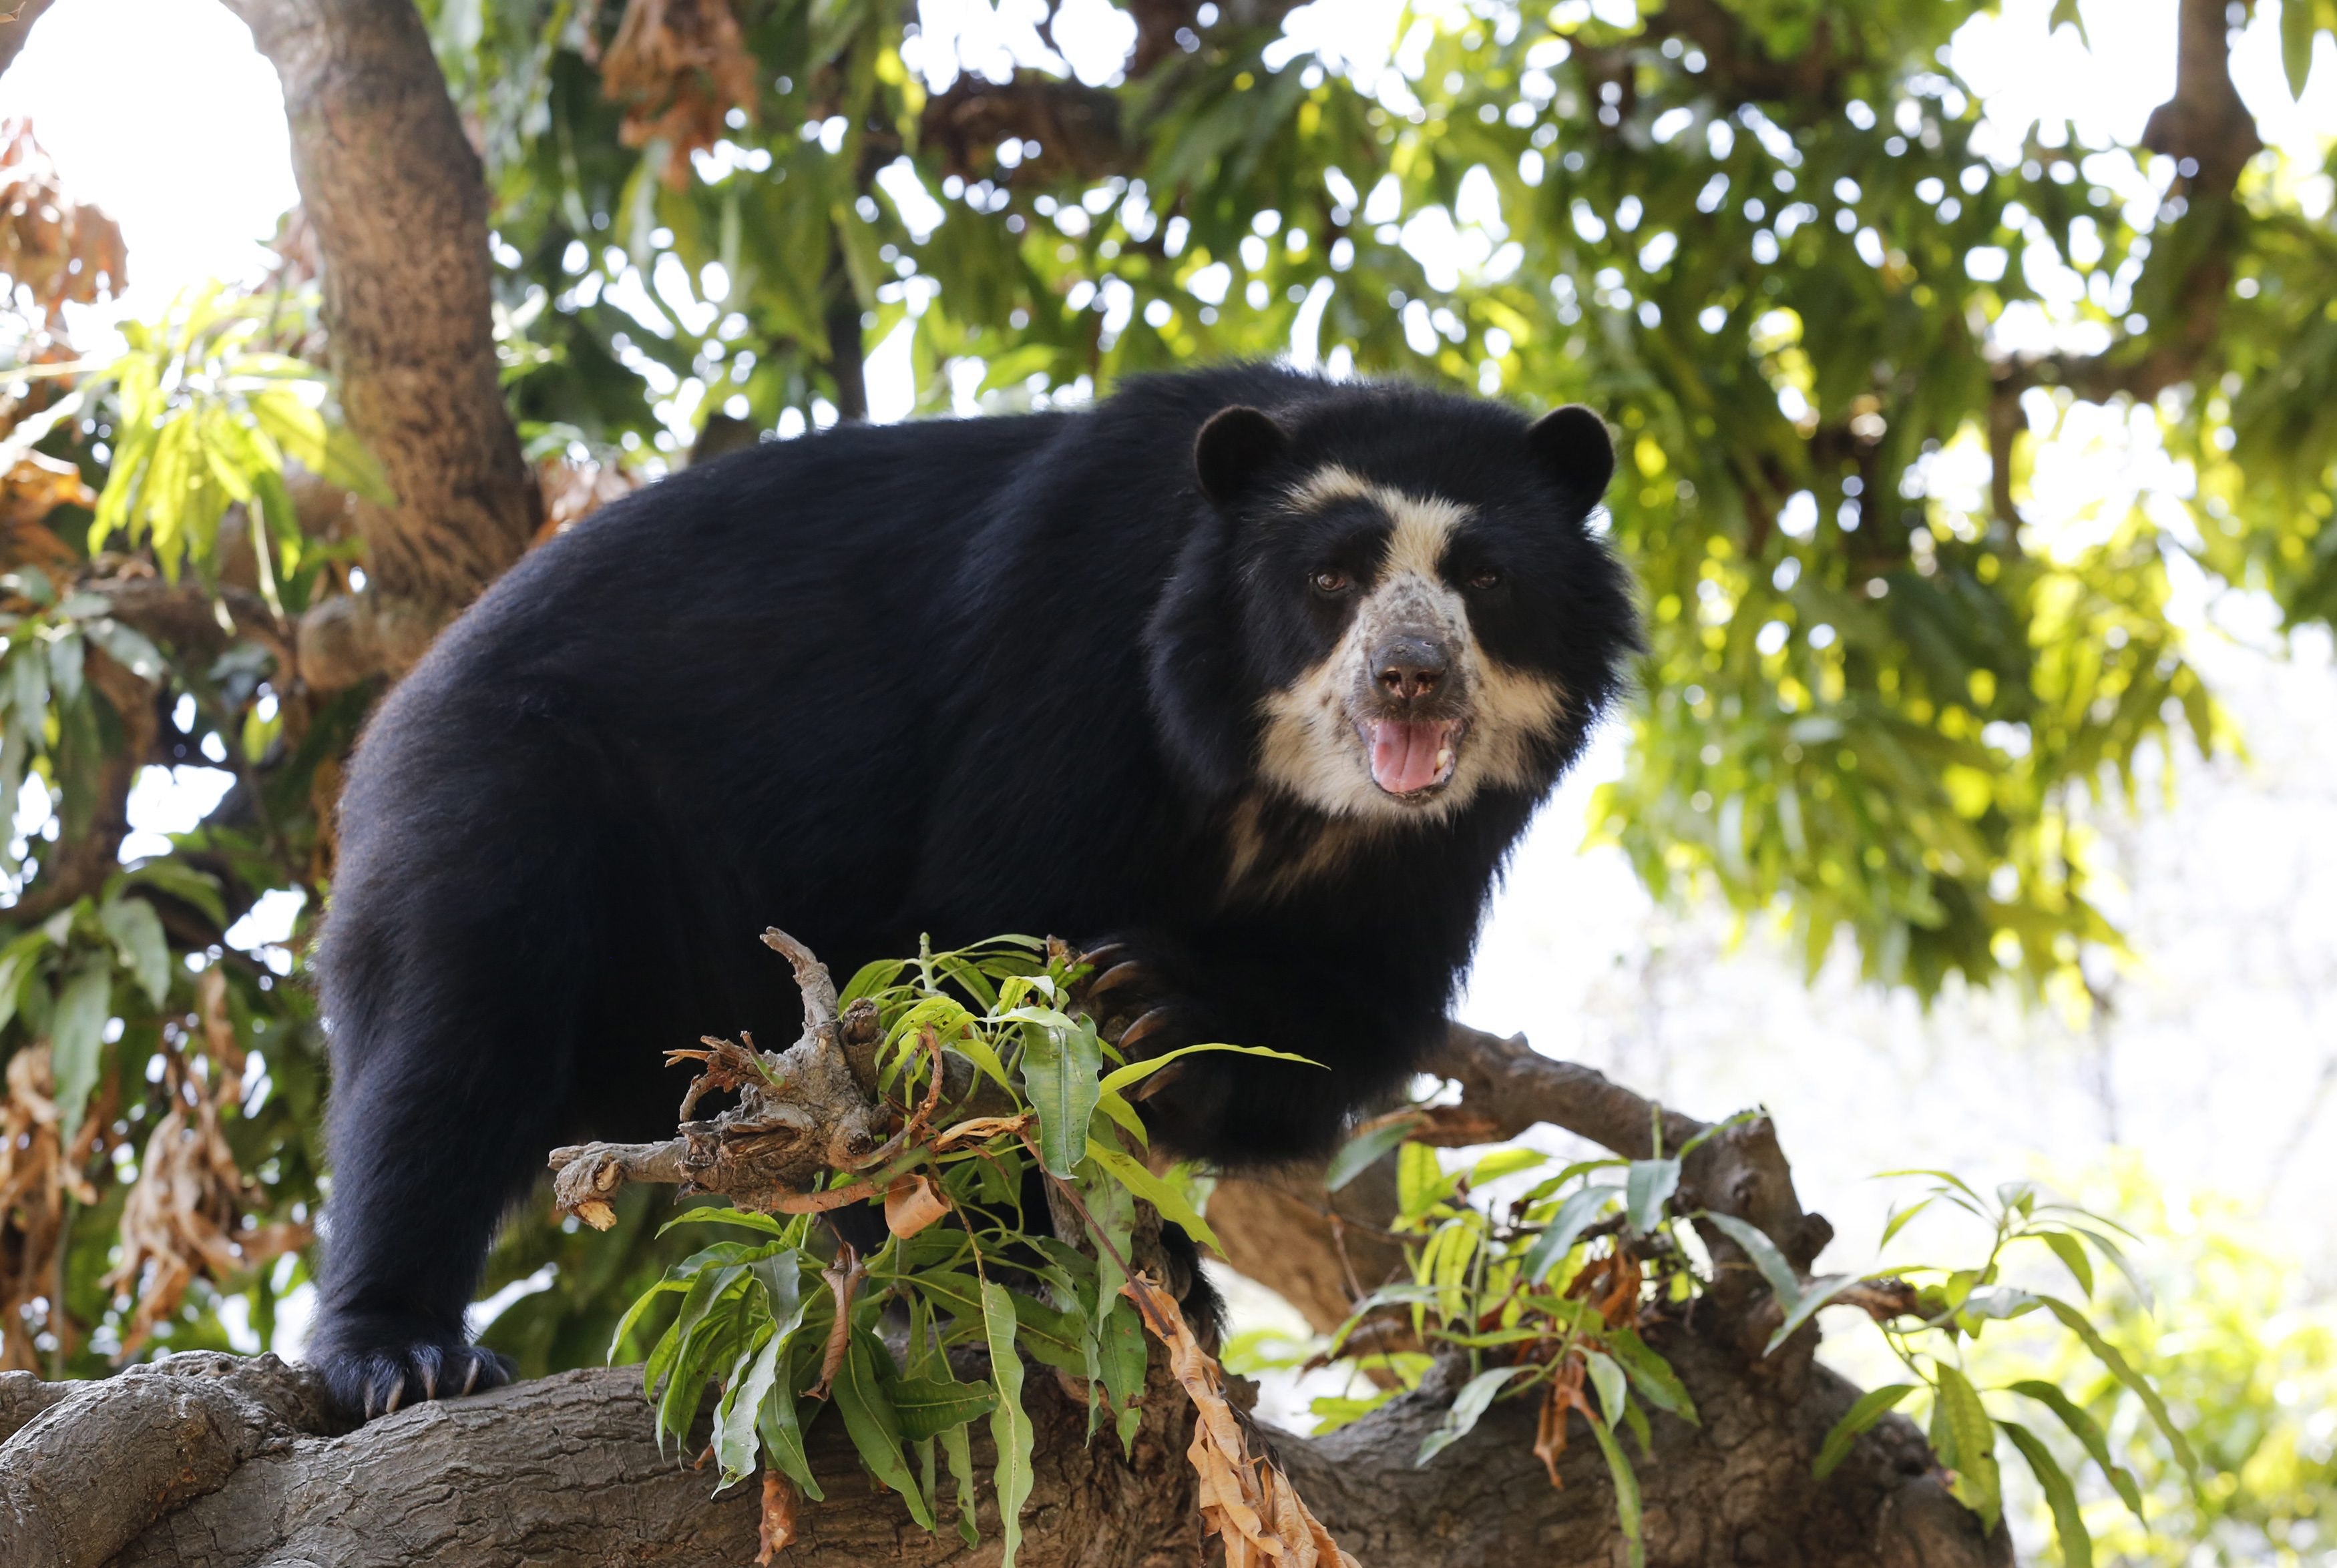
1573,449
1232,447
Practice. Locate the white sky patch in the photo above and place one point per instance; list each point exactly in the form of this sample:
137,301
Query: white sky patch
163,114
172,800
269,920
891,378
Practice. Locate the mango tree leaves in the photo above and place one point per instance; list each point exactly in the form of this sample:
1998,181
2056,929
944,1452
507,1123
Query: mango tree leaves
1060,1060
1011,1431
874,1424
76,1039
1468,1406
137,933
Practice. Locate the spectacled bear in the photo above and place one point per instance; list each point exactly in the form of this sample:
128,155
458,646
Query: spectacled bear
1251,676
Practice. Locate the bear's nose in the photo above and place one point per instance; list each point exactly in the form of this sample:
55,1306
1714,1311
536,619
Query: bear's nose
1410,668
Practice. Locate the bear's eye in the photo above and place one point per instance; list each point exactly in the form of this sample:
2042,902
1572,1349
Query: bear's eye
1332,581
1490,577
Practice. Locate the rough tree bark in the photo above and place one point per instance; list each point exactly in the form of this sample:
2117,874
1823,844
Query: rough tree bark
398,202
202,1459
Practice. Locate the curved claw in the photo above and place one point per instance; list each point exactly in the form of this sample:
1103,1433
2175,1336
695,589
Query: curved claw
426,1363
1099,960
1142,1029
1114,979
471,1379
1164,1079
385,1407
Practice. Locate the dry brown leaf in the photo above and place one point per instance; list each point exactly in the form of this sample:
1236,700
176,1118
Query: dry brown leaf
574,489
911,1204
778,1526
64,251
1247,1502
1611,1285
183,1217
1549,1432
843,1277
679,68
978,1130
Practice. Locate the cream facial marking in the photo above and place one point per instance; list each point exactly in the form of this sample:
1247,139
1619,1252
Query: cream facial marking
1316,744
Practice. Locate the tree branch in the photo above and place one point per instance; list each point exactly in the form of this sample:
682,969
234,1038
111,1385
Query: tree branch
16,26
202,1459
398,202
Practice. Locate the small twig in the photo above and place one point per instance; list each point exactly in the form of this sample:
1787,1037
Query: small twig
812,978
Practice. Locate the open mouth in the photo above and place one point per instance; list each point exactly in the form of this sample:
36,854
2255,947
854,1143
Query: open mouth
1412,757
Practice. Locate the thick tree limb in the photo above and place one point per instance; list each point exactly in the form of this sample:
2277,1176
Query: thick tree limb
17,26
396,198
567,1469
202,1459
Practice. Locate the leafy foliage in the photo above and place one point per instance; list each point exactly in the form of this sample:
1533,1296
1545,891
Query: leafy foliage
1764,242
997,1280
1567,1288
1775,251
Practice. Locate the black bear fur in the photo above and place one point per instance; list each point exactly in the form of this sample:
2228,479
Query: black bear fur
956,678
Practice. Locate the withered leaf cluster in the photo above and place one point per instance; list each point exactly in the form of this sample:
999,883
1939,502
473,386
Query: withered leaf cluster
1247,1501
185,1216
679,68
64,251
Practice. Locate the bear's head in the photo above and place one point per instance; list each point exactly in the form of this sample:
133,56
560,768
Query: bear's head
1391,605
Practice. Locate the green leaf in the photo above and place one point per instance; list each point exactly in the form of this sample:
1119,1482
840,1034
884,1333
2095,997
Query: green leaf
76,1040
2088,1431
137,933
1574,1216
957,1451
723,1214
743,1393
696,1333
1504,1163
1608,1379
2297,31
1011,1431
1467,1408
1765,1255
1819,1293
1420,1183
1651,1375
2068,1521
179,881
874,1425
19,961
1058,1072
778,1421
2072,1254
1626,1493
1648,1185
928,1407
2107,1354
1359,1152
1899,1219
1121,1079
1871,1406
668,1286
1166,1199
1977,1484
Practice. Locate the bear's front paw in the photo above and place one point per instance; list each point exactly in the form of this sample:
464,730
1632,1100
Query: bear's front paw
1135,1007
376,1367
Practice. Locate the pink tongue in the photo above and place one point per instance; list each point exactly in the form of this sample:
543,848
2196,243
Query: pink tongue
1404,754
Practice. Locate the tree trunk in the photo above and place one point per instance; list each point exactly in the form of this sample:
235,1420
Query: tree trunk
398,202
